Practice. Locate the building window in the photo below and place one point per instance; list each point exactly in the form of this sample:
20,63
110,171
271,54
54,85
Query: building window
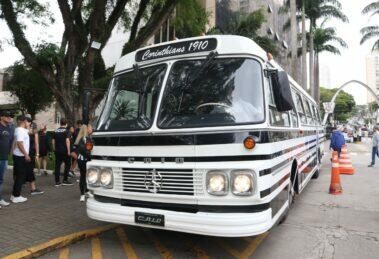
284,44
269,8
270,31
277,36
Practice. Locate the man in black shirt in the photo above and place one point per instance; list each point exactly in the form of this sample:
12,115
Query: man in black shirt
61,146
5,138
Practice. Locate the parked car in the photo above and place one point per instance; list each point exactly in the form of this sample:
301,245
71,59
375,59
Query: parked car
348,138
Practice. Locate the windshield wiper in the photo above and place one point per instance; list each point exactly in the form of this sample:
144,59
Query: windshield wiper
208,61
189,81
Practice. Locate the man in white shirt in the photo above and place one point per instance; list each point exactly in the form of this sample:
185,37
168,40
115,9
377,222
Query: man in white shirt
20,158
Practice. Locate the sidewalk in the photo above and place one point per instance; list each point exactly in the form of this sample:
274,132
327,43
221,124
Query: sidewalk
321,225
56,213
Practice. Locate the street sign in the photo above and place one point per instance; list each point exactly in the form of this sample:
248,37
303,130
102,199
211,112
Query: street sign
328,107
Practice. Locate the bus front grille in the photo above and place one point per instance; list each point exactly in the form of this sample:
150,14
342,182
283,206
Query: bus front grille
160,181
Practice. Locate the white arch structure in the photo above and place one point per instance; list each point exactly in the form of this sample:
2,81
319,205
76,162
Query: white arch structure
342,87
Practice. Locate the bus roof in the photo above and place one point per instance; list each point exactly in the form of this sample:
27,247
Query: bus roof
198,46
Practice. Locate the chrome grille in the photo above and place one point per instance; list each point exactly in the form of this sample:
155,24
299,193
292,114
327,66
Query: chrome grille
174,181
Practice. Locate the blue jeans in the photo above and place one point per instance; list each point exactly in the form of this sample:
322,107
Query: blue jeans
3,168
375,152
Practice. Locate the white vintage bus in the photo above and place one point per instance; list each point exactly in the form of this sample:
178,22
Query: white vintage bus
203,135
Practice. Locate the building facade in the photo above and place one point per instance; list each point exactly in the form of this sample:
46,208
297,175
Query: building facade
372,74
273,28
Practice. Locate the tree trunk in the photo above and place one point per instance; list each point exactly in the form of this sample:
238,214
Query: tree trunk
317,79
311,60
293,40
304,67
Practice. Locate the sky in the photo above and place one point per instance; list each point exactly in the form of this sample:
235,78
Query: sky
350,65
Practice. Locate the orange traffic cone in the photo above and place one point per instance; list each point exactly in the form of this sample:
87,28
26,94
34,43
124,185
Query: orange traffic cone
346,166
335,183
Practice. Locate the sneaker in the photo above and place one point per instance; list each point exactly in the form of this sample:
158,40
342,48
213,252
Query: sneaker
38,174
18,199
67,183
4,203
36,192
71,174
371,165
82,198
57,184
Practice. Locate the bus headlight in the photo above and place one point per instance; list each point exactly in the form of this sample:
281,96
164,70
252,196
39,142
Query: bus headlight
106,177
217,183
242,183
93,176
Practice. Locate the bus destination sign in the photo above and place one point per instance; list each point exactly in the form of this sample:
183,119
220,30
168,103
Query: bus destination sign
177,48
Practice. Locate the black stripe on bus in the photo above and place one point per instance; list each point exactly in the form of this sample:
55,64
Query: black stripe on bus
200,139
203,158
189,208
276,185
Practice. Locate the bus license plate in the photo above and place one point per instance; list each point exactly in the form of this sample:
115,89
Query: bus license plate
149,219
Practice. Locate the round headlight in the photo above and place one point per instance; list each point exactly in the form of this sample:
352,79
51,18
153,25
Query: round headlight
92,176
106,177
242,183
217,183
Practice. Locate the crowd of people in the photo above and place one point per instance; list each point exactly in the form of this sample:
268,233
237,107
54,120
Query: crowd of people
29,148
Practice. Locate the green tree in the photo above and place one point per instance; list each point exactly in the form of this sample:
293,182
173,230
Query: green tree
371,32
30,88
248,26
344,103
85,22
325,40
190,19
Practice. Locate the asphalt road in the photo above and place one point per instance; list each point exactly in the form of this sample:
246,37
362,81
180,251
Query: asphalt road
319,226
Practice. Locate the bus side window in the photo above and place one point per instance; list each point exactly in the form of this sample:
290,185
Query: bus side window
293,113
308,111
276,118
316,118
300,108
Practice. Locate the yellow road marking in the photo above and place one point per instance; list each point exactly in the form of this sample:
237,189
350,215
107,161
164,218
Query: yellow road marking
158,245
63,254
201,254
253,246
228,248
128,249
96,248
58,242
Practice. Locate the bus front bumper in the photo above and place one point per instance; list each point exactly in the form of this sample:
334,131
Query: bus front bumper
203,223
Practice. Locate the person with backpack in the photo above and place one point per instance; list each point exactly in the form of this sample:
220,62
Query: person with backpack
337,140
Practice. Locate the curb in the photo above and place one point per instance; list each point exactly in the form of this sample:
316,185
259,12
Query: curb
59,242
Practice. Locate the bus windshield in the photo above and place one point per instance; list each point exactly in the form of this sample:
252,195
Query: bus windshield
228,92
132,100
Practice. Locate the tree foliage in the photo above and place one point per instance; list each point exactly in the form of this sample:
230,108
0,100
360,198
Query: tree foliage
344,103
30,88
371,32
248,25
85,22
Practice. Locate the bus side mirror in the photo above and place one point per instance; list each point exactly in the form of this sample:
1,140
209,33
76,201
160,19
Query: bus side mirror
282,90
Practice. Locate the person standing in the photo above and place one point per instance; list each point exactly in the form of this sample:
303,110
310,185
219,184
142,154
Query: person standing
375,145
43,149
20,158
74,163
33,153
82,148
73,157
337,140
5,138
61,147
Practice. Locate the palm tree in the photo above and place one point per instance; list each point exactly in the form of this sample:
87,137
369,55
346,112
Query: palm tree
325,40
293,14
314,10
371,32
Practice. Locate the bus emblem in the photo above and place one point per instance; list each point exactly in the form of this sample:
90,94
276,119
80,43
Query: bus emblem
153,181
